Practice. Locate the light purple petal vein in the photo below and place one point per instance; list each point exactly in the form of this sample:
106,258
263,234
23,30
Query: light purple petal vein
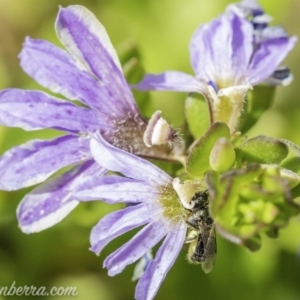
52,201
267,58
219,36
242,47
36,160
32,110
55,69
113,189
130,165
202,50
134,249
119,222
158,268
86,39
170,81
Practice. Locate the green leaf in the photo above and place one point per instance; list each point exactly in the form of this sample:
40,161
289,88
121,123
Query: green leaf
292,161
127,50
197,114
262,149
258,101
272,232
198,158
296,191
134,72
253,244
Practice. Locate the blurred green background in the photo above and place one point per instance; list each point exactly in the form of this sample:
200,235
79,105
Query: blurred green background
59,256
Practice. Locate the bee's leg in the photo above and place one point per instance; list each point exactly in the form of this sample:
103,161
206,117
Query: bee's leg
191,236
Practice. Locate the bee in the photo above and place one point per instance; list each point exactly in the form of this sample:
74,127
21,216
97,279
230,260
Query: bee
202,235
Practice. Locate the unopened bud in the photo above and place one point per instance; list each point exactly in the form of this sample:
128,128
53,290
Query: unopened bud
222,156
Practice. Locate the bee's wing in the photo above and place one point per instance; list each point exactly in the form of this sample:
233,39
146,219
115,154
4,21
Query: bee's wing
210,251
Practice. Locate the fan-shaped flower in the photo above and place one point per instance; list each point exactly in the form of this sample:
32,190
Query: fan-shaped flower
157,207
90,73
252,11
228,60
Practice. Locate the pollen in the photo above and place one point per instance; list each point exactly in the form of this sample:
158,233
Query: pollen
173,208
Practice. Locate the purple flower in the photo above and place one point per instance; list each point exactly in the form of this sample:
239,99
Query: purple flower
89,72
252,11
157,207
227,60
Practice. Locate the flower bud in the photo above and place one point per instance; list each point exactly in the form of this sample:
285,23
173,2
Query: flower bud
222,155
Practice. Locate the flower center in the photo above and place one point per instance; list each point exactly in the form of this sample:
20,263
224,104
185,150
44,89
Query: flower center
127,134
173,208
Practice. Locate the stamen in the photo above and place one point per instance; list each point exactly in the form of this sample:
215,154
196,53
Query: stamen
185,191
159,132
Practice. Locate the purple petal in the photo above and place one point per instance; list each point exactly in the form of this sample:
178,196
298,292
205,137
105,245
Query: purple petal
281,76
269,33
86,39
36,160
119,222
56,70
202,49
170,81
133,250
267,58
52,201
221,49
141,265
130,165
113,189
158,268
245,8
32,110
242,49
